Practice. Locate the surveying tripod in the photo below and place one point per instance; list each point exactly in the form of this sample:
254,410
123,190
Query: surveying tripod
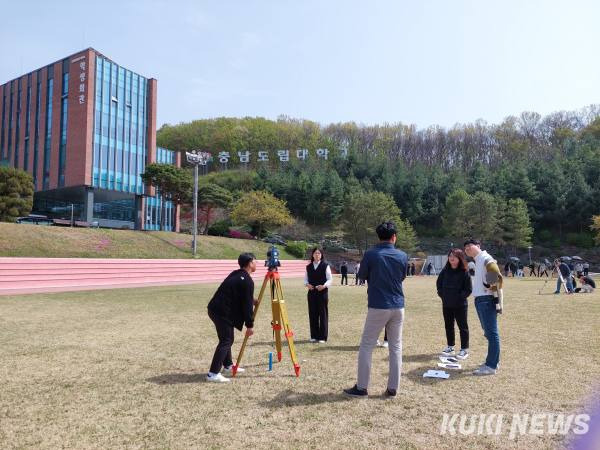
280,319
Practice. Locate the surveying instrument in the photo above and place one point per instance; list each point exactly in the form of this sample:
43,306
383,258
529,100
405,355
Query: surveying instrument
280,317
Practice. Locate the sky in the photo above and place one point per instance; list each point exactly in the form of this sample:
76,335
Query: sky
427,62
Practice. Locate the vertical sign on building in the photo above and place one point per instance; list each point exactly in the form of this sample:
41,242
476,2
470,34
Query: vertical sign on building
82,67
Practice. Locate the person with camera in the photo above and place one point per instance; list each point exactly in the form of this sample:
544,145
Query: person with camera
454,287
232,306
317,280
384,268
488,302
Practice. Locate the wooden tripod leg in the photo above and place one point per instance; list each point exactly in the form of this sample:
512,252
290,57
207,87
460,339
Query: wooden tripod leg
276,320
289,333
260,297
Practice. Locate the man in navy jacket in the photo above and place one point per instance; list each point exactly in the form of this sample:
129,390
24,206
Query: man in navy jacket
384,267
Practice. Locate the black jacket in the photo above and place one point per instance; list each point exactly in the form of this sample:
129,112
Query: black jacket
453,287
234,299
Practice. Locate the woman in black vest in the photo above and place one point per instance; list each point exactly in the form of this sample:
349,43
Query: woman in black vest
317,280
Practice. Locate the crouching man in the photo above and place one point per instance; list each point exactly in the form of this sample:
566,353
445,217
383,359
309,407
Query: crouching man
232,306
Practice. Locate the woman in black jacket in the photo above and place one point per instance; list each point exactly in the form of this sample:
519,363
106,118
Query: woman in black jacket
453,287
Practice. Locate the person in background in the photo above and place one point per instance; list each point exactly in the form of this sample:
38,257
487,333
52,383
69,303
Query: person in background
317,280
543,270
454,287
232,306
578,269
586,268
532,269
587,284
356,269
344,272
563,269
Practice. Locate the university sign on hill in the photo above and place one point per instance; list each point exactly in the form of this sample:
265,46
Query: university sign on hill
245,156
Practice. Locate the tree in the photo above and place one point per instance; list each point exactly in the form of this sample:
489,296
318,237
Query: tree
171,182
482,221
261,209
456,213
596,227
515,224
16,194
211,196
365,210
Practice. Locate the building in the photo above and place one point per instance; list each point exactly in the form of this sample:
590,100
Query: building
84,127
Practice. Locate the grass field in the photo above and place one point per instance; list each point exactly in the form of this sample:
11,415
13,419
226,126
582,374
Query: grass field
66,242
125,368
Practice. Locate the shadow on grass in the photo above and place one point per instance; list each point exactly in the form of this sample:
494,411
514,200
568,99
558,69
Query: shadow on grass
291,398
283,340
424,357
337,348
178,378
416,375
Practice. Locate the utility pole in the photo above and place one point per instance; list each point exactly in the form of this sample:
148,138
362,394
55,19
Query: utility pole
196,158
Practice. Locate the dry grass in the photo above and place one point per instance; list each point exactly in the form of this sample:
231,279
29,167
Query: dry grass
66,242
125,368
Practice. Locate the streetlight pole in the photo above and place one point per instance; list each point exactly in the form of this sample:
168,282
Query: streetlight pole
196,158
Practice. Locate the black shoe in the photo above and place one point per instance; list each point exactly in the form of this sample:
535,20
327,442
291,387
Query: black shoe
356,392
389,393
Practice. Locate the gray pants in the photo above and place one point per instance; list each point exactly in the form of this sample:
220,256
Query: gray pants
376,320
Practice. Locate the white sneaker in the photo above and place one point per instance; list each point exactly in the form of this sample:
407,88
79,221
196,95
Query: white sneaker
448,351
463,354
313,340
322,342
385,344
218,378
229,370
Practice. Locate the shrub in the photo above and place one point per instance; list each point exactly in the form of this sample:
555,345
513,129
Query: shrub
297,248
237,234
219,228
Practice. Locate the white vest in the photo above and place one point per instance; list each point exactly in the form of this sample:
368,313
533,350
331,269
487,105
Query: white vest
481,260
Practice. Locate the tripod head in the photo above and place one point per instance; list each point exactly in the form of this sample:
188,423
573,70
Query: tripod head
272,262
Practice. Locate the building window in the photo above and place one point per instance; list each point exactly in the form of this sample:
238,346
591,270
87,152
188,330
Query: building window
10,121
18,127
62,153
2,148
36,138
48,137
27,125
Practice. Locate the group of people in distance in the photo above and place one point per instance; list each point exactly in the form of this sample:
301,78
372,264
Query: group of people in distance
567,276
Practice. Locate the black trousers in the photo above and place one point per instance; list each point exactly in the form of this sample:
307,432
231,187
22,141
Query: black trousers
222,356
318,314
460,316
345,277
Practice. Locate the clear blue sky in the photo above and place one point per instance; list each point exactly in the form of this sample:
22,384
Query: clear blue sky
423,62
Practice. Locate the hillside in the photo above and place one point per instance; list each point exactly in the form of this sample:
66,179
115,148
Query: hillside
65,242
